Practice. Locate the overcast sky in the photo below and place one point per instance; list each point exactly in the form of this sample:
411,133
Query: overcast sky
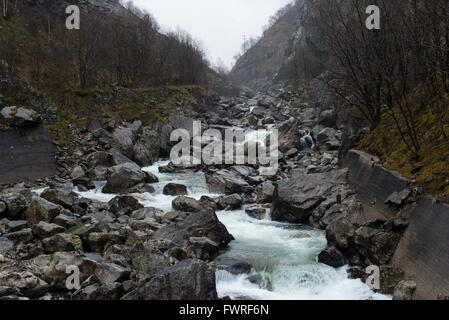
220,25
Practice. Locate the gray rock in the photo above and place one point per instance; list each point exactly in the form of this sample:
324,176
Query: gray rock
110,272
187,280
5,245
231,202
63,197
289,136
15,203
331,256
124,139
42,210
295,199
97,241
146,149
20,117
146,260
404,290
187,204
125,176
28,283
256,212
197,225
376,245
227,182
124,205
44,230
265,192
174,189
62,242
233,265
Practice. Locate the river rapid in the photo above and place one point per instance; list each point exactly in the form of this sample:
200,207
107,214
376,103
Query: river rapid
283,256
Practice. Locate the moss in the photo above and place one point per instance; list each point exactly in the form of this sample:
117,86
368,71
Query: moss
433,161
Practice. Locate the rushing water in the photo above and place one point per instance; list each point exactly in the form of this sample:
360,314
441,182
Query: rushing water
283,255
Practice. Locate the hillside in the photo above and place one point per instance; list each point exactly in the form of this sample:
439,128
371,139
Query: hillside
261,63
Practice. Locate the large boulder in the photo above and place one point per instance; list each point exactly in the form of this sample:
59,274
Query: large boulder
174,189
265,192
124,139
20,117
332,257
62,242
146,149
197,225
377,245
12,203
28,283
146,260
125,176
187,204
233,265
123,205
41,209
288,135
295,199
187,280
232,202
62,196
227,182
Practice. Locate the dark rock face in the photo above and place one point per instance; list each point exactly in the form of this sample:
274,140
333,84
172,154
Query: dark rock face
232,265
200,224
26,155
226,181
123,205
289,135
265,192
174,189
296,198
146,149
187,280
231,202
125,176
187,204
376,245
332,257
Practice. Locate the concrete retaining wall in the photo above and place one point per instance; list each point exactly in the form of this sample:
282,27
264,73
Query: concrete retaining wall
26,155
423,252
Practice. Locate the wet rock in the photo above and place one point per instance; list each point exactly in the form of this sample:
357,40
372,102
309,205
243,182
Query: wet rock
21,236
389,278
98,241
100,159
233,265
146,149
124,205
44,230
187,204
110,272
265,192
42,210
187,280
227,182
146,260
340,232
231,202
16,225
125,176
295,199
174,189
376,245
404,290
20,117
5,244
331,256
256,212
201,248
66,221
15,203
142,188
110,291
77,173
398,198
145,213
63,197
124,139
62,242
198,224
29,284
288,135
